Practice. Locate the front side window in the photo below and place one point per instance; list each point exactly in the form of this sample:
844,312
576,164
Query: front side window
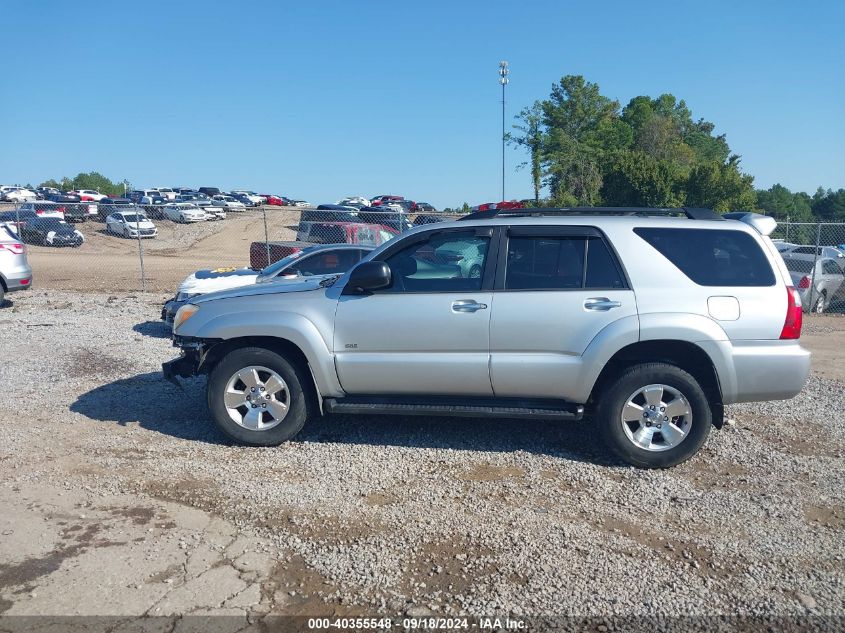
446,262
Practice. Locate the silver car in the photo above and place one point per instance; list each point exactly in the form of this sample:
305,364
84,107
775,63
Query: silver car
15,271
820,286
635,322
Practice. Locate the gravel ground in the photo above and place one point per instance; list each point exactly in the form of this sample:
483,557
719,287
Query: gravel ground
416,515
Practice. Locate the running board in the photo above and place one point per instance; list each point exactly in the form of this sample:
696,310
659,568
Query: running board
536,409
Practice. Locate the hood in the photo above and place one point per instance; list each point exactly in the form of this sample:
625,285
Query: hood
295,285
204,281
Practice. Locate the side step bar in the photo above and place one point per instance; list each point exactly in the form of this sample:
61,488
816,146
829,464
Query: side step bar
537,409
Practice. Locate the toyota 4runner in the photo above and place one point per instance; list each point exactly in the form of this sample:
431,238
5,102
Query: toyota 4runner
644,321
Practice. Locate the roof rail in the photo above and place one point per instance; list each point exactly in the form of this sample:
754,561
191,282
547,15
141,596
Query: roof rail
691,212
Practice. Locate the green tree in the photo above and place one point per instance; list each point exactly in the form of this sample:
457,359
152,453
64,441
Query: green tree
780,202
530,136
829,206
637,179
722,187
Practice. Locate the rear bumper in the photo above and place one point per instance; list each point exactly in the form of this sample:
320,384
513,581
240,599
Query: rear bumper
753,371
19,278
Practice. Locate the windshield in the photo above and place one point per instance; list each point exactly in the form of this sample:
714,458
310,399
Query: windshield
134,218
273,269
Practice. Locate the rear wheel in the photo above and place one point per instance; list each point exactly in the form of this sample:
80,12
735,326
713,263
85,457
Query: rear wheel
654,415
258,397
2,295
821,304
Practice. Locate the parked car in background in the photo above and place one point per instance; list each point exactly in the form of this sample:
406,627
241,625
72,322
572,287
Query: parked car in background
300,203
130,224
274,201
166,192
243,199
184,212
50,232
377,201
40,209
19,194
368,234
15,271
425,207
210,191
230,203
809,253
425,218
73,211
354,201
214,210
46,192
89,195
310,261
62,196
503,205
253,197
386,216
821,285
108,205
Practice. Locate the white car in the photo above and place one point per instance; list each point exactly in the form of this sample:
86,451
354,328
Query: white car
166,192
212,209
229,202
252,196
354,201
130,224
301,203
89,194
184,212
320,260
19,194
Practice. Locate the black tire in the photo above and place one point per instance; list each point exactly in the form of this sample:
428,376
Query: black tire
821,304
298,385
615,396
2,295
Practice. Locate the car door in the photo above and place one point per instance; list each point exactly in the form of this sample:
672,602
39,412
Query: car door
428,332
556,288
833,278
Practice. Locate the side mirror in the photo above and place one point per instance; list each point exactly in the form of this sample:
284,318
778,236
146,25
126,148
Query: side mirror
368,276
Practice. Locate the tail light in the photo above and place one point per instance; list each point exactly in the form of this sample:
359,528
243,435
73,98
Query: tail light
804,283
794,315
15,248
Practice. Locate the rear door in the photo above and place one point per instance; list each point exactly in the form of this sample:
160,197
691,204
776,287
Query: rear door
557,287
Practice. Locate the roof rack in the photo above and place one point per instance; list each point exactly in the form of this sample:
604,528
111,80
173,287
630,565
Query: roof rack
689,212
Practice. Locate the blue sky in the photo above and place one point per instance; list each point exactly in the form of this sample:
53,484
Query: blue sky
320,100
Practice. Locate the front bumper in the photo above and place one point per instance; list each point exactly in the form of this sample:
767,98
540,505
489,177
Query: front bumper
184,366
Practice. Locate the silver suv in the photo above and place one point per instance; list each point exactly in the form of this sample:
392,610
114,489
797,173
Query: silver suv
15,271
643,322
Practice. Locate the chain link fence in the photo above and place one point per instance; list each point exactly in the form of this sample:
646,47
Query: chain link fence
163,249
814,253
172,249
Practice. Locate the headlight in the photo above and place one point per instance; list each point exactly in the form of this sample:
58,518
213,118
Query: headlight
183,314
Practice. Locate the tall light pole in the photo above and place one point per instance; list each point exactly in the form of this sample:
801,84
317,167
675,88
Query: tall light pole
503,79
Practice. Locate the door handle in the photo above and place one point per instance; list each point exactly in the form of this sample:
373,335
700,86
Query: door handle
600,304
467,305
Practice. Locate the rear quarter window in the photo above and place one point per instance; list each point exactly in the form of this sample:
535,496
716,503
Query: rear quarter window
712,257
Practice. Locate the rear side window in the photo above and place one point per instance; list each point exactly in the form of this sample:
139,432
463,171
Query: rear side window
712,257
560,263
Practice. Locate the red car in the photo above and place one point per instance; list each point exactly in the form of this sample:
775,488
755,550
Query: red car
504,204
379,200
274,201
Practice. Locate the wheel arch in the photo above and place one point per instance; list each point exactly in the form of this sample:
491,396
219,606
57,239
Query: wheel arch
683,354
284,347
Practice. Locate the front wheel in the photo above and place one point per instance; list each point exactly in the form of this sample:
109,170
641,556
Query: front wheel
654,415
257,397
